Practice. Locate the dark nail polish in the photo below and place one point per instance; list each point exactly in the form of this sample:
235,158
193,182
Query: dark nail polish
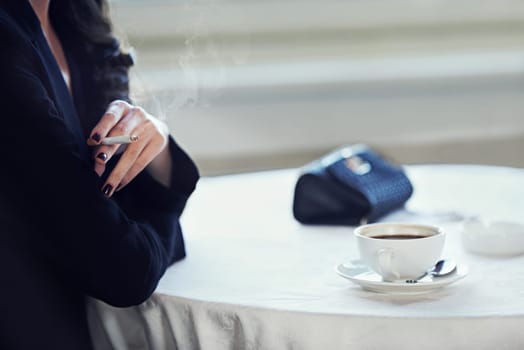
107,189
102,156
96,137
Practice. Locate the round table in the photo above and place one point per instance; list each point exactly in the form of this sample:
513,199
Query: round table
255,278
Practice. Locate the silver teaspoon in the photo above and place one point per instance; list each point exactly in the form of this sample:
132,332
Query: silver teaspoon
442,268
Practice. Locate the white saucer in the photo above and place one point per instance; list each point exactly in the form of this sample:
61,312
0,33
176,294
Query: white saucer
358,273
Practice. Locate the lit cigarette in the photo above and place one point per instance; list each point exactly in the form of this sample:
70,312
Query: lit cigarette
119,140
115,140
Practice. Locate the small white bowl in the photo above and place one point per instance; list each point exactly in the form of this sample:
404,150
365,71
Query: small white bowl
500,238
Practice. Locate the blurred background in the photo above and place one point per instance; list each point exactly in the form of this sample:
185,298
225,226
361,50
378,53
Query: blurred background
250,85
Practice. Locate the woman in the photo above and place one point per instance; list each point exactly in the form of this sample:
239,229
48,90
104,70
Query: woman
77,218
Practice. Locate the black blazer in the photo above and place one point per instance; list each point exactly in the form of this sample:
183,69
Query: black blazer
60,238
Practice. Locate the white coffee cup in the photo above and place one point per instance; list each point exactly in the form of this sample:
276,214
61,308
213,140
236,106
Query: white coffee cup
399,251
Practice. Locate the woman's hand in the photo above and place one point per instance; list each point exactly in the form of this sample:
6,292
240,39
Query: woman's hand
149,150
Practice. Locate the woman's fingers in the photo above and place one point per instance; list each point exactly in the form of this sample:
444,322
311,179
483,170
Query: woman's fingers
129,159
122,119
136,157
148,154
125,126
119,119
134,160
115,112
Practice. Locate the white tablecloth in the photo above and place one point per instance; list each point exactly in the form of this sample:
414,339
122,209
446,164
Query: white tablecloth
254,278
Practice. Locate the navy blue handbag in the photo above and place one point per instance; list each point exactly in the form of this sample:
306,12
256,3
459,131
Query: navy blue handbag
349,186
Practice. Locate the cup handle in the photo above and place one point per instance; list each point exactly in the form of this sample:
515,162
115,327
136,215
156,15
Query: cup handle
385,264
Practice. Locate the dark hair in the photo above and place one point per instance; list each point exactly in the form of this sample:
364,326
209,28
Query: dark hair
87,18
85,25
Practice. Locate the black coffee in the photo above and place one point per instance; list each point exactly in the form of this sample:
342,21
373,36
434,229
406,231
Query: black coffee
399,236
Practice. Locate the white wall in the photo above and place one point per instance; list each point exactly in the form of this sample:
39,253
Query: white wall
250,85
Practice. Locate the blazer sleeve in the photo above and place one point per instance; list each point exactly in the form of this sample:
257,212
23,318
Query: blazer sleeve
112,253
144,196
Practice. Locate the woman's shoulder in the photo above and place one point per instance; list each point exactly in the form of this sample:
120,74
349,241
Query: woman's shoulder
9,26
18,16
15,31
